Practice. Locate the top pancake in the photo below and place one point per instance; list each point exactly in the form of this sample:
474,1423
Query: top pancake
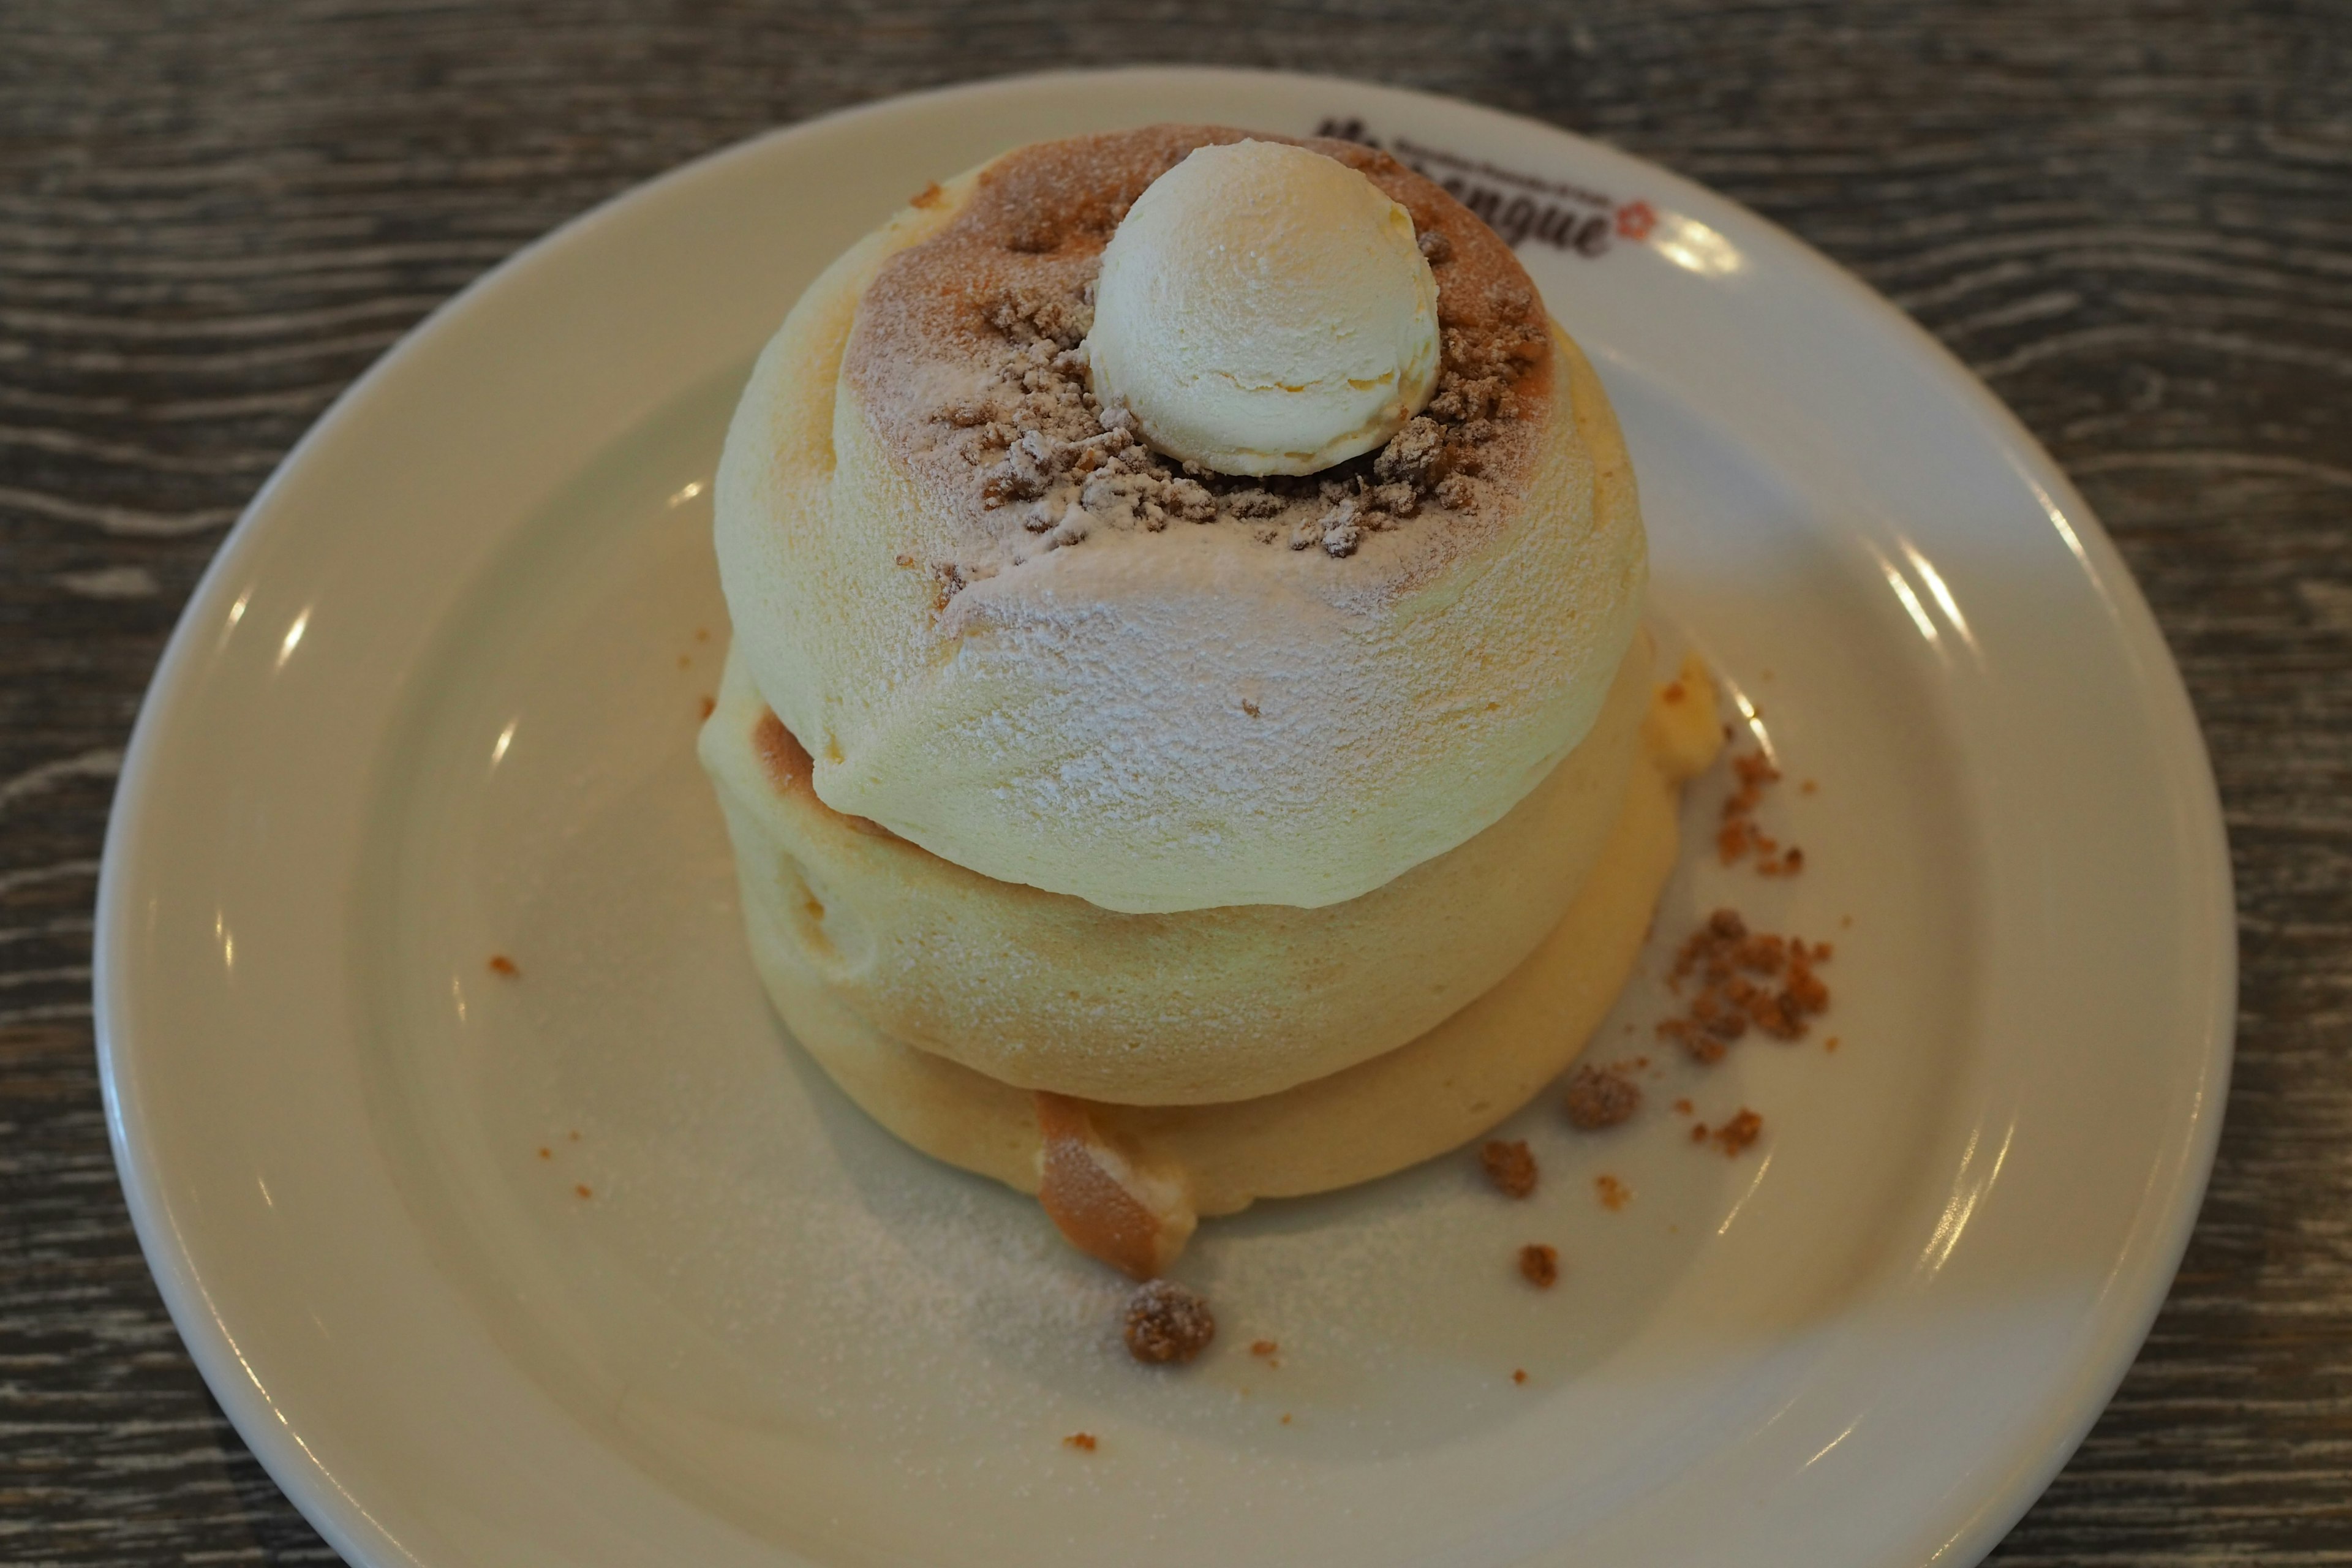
1013,634
972,339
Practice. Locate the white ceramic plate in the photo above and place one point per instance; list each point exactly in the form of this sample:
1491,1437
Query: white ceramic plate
435,700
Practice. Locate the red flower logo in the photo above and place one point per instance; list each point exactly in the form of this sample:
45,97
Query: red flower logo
1636,219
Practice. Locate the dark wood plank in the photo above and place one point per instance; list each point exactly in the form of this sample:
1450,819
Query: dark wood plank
2133,217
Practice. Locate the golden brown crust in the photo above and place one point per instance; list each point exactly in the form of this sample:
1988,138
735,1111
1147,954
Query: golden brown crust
1166,1322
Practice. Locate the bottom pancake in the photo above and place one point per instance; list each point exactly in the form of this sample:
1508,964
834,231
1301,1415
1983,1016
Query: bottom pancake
1430,1095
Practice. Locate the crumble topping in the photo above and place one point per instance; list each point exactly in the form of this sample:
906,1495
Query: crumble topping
1510,1167
1167,1322
1043,443
1734,1136
1739,838
1600,1097
1745,980
1540,1265
968,354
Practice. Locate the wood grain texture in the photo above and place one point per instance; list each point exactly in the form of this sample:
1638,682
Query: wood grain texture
2134,218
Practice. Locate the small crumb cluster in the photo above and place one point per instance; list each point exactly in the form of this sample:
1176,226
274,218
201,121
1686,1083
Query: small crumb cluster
1166,1322
1739,839
1600,1097
1510,1167
1745,981
1733,1137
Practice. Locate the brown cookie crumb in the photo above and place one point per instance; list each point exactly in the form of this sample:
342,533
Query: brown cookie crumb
1733,1137
1083,1441
1600,1097
1614,1193
1739,838
1510,1167
1745,980
502,966
1518,1374
1456,492
1167,1322
1540,1265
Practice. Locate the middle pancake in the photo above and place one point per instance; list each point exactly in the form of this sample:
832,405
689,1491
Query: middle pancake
1045,991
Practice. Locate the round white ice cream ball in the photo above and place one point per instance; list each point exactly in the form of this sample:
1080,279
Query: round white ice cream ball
1265,310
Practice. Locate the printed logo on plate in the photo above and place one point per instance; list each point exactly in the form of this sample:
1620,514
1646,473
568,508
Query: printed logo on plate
1519,206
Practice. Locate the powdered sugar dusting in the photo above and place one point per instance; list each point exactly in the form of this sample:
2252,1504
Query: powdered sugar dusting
969,355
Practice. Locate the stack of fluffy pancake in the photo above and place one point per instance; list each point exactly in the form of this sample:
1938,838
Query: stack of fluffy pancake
1158,839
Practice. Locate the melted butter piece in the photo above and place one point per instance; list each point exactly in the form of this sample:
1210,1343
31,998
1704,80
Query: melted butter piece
1682,729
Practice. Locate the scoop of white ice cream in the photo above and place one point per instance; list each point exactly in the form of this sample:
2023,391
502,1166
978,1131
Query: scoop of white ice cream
1265,310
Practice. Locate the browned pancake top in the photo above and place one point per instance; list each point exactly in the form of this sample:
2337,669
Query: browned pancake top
965,357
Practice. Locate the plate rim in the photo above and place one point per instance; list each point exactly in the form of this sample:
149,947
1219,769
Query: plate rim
2064,1422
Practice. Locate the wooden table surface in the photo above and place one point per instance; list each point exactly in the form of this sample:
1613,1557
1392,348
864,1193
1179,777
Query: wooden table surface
2133,219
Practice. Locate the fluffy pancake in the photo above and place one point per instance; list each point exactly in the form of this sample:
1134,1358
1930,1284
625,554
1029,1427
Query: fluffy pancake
1124,705
1044,991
